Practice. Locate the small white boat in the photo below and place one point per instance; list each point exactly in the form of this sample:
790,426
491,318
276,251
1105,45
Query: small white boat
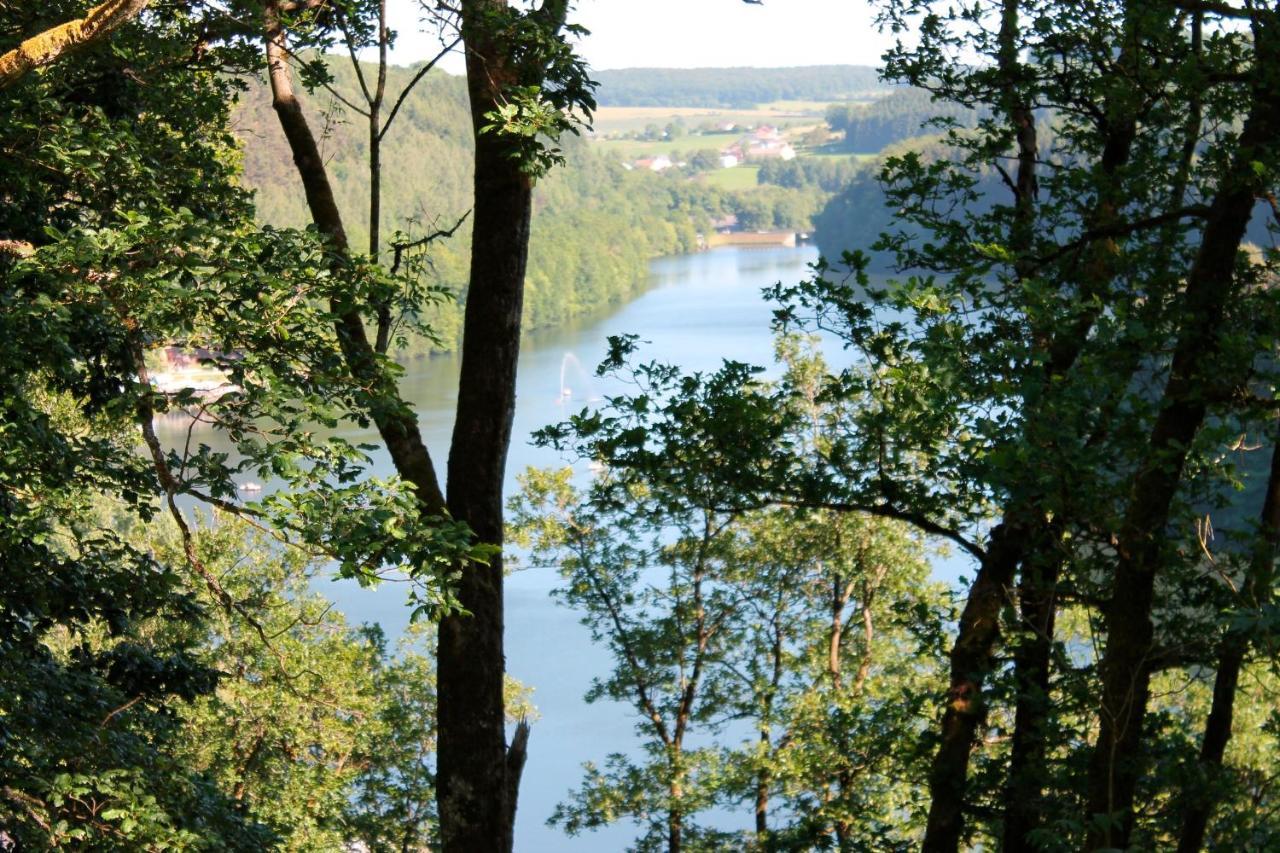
251,487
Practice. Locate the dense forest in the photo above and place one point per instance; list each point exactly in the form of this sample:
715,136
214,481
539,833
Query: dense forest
1042,338
734,87
902,114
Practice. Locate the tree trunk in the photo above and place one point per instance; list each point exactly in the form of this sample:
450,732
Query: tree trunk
762,794
475,790
979,634
396,424
675,815
473,786
1116,761
971,661
1217,729
1037,599
1041,563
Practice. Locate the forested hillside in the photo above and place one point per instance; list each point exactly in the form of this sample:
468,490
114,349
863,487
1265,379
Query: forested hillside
734,87
595,225
904,113
859,213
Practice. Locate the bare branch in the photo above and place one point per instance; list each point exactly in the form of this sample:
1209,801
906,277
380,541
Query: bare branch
400,248
404,93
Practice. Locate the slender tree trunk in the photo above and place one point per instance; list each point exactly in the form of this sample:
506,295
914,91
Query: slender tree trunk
971,661
375,138
473,789
396,423
762,791
868,632
1217,729
840,592
675,790
375,184
1037,599
1116,761
1217,732
764,777
835,639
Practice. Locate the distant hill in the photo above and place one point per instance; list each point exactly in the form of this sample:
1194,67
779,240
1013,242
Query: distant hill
902,115
734,88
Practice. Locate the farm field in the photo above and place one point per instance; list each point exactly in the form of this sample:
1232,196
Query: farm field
610,120
827,153
737,178
631,149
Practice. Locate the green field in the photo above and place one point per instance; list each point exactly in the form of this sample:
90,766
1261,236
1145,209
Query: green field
829,154
632,149
685,146
610,120
737,178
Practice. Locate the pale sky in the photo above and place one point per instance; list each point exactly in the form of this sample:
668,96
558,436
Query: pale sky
696,33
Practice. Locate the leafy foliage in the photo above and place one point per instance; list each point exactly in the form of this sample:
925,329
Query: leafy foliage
767,653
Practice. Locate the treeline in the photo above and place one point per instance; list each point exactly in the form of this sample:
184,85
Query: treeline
828,174
733,88
867,128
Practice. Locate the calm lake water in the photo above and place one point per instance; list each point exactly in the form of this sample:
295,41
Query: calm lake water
699,310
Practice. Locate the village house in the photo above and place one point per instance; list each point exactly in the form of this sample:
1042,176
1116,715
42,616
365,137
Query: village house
654,164
771,150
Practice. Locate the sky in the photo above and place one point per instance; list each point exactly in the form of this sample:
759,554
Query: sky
694,33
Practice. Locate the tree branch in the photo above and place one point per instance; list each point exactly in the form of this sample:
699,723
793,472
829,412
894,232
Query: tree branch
404,93
399,249
51,45
1123,228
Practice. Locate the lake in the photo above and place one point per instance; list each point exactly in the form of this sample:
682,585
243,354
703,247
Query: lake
698,310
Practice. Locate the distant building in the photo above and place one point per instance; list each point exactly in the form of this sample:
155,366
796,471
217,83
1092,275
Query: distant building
767,132
728,161
771,150
725,224
654,164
